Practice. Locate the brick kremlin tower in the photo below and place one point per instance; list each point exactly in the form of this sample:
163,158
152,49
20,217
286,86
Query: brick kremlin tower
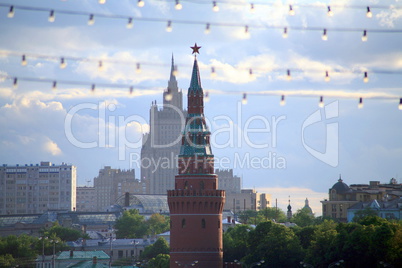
196,204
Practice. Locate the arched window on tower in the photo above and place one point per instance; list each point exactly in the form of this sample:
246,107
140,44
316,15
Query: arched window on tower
183,223
202,185
203,224
186,185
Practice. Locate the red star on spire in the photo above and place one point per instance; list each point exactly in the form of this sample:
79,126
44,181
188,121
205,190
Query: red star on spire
195,49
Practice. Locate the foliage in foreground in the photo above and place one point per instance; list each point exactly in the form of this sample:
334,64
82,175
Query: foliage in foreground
364,243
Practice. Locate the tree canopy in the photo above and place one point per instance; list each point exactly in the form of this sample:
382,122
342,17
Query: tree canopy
133,225
319,243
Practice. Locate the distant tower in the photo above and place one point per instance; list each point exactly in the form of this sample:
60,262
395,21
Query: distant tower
196,205
289,213
307,207
162,144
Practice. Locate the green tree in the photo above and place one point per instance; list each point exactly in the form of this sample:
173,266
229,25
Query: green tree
159,247
305,235
303,218
160,261
367,212
274,243
17,250
273,214
130,225
323,247
248,216
64,233
157,224
235,242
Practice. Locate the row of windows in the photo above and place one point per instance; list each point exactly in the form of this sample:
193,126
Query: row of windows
203,223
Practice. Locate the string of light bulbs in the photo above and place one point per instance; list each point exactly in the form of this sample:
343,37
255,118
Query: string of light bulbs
92,86
253,5
208,25
63,60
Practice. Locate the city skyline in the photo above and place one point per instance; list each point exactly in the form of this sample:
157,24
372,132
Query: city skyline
368,139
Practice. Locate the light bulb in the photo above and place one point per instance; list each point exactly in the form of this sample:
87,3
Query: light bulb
246,32
364,37
15,82
321,103
175,71
140,3
24,61
100,66
288,76
168,96
11,12
93,87
365,79
102,1
54,86
327,78
283,101
250,72
360,105
91,20
244,100
330,13
207,29
291,11
138,69
252,7
285,32
369,14
129,23
51,16
215,6
400,104
213,73
206,97
324,35
178,6
63,63
169,26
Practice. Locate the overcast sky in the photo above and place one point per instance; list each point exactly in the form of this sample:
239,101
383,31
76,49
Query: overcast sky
300,149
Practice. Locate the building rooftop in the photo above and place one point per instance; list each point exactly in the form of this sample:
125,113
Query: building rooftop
341,187
82,255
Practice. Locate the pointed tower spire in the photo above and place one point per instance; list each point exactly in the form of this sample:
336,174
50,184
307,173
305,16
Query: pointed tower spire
172,95
172,84
195,84
289,212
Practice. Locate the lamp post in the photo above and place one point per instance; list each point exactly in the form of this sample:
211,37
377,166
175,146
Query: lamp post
194,263
54,241
335,263
43,249
258,263
303,264
384,264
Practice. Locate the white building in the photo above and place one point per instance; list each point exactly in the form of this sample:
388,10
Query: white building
31,189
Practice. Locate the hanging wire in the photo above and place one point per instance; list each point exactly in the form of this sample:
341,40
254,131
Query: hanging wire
170,22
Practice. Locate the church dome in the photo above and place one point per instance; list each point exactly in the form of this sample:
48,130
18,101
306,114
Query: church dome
340,187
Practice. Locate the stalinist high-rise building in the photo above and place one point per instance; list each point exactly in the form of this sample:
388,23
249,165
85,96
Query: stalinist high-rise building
196,204
162,144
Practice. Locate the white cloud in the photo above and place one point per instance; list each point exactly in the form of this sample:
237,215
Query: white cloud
51,147
388,18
